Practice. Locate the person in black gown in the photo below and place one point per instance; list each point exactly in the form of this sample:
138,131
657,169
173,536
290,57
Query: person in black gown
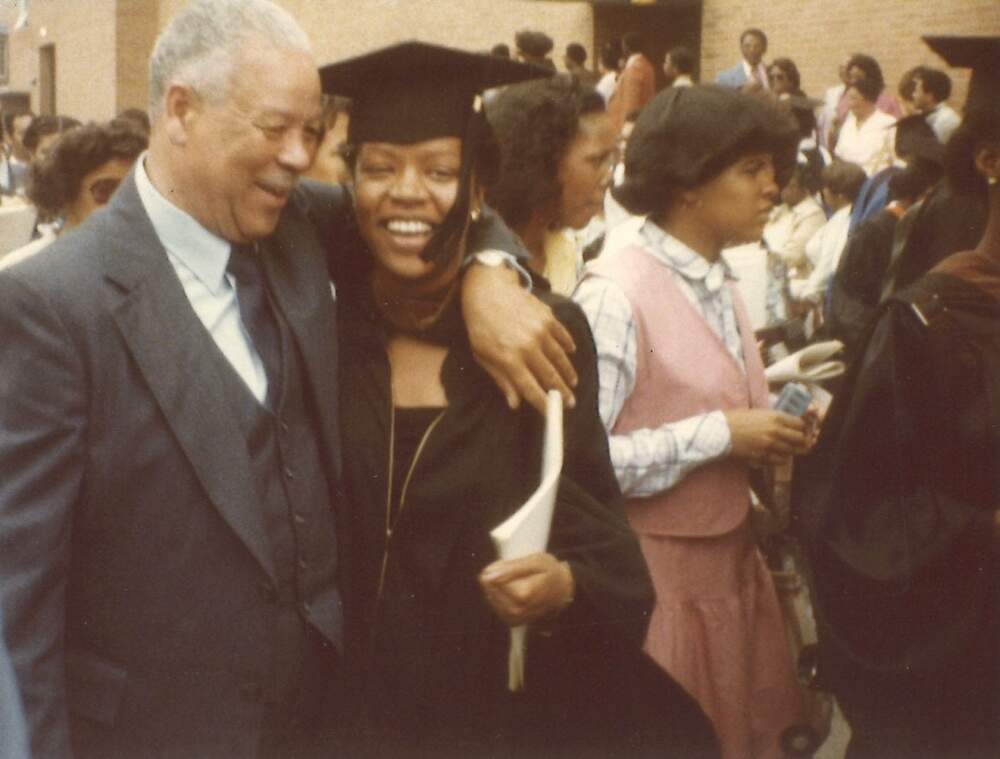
438,460
898,504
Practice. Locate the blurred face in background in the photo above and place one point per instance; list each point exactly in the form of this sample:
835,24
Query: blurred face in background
96,190
857,104
779,81
329,165
923,100
793,193
21,124
753,48
585,171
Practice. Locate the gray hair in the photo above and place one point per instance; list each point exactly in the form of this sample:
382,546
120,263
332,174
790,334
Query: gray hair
200,45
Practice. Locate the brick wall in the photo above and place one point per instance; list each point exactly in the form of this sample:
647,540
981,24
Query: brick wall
82,32
102,46
819,34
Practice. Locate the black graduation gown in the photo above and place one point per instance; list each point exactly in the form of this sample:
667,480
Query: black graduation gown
895,510
857,283
433,676
946,222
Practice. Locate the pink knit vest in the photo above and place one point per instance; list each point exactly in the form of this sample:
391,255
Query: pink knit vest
683,369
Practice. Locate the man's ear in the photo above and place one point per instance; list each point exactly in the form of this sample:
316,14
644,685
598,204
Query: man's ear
987,159
181,106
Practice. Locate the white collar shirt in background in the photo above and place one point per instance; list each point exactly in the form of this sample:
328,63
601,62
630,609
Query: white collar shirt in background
870,144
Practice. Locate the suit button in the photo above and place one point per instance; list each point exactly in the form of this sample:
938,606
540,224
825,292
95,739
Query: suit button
251,692
268,592
299,519
303,564
289,473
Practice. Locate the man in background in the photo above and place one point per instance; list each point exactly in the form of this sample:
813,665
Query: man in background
678,67
750,73
637,83
575,59
932,88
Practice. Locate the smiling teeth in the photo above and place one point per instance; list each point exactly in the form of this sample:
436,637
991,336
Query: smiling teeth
401,227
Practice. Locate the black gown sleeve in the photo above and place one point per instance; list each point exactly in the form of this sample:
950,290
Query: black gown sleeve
590,530
899,495
597,693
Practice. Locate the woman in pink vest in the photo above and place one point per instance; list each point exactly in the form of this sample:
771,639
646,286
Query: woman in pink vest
685,402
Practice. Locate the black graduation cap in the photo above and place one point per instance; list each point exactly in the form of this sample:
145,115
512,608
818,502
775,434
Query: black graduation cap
982,55
414,91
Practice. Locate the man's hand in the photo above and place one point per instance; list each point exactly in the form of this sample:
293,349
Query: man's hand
762,436
522,591
516,338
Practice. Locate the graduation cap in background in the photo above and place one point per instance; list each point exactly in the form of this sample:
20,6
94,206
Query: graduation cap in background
415,91
982,55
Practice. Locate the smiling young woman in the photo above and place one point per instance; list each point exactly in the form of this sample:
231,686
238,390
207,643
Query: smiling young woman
437,460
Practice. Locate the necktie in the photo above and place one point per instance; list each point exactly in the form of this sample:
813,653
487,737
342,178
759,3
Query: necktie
258,319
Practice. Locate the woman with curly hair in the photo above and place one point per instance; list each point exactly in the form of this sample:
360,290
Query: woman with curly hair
79,176
556,151
784,77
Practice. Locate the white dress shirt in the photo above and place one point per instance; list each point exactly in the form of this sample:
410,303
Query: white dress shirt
606,85
200,257
944,121
790,228
869,145
824,250
760,74
650,460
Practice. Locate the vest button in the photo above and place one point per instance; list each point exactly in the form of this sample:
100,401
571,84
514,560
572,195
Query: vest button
303,564
289,473
299,519
268,592
251,692
283,424
305,607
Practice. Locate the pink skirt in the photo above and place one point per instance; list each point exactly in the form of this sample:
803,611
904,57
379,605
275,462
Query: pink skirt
718,630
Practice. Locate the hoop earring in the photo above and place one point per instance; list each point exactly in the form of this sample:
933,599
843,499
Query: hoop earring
991,181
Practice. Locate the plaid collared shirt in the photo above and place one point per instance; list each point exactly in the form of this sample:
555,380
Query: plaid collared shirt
651,460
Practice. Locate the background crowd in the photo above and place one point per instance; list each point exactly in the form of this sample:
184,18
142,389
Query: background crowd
275,352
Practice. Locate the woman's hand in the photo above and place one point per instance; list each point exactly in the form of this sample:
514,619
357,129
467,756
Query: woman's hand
516,338
522,591
762,436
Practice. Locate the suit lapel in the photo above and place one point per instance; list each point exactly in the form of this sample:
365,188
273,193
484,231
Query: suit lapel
172,350
294,267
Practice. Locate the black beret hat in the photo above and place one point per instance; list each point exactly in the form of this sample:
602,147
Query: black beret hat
685,136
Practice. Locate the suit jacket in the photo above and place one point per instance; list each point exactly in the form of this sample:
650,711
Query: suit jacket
634,88
735,77
13,744
134,573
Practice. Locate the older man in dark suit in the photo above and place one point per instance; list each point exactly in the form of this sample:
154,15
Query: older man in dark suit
173,545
